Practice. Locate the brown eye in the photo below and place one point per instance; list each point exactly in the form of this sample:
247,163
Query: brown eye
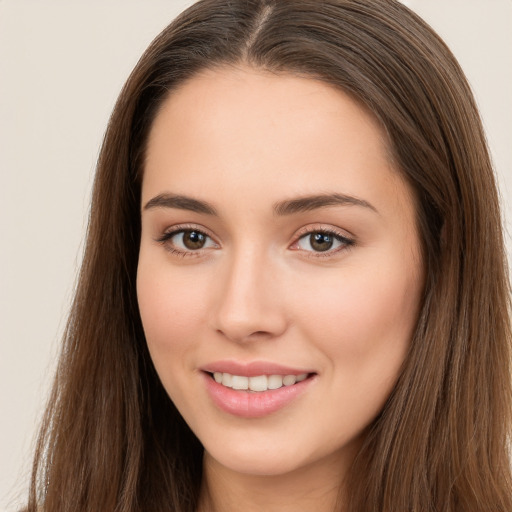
187,241
321,241
194,240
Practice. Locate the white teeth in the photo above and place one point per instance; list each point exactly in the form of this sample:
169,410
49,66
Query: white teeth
275,381
240,382
227,380
289,380
257,383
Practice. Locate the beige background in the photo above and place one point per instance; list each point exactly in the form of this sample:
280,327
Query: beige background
62,64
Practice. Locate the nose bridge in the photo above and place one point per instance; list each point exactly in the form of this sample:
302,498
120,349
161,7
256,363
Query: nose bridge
248,304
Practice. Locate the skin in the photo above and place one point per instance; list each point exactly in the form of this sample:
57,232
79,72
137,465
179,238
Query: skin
243,140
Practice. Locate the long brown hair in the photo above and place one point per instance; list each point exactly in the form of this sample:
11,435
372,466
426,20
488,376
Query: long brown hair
111,438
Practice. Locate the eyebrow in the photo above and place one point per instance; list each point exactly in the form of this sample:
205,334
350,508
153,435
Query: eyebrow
282,208
180,202
308,203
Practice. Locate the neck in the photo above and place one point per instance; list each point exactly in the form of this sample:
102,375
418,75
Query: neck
316,487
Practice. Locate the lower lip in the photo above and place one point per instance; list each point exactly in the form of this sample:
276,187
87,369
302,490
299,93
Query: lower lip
253,404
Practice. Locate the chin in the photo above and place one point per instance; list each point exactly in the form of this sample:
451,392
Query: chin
256,464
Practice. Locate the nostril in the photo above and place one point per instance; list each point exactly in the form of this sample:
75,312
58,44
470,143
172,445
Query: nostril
260,333
241,336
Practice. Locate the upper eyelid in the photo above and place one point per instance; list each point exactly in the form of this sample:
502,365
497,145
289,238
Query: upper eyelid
302,232
188,227
322,228
347,239
165,237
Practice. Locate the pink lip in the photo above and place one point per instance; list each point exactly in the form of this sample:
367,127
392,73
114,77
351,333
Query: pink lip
246,404
253,368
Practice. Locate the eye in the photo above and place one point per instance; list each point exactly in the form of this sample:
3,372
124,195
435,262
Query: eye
187,240
322,241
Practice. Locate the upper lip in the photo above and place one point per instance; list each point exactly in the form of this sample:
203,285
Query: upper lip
252,368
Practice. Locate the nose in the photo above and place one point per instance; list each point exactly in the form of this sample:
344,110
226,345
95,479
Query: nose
249,302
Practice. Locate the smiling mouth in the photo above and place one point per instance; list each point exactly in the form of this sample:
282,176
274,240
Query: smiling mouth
258,383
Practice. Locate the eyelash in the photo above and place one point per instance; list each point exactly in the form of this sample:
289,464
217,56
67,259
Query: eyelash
346,243
168,235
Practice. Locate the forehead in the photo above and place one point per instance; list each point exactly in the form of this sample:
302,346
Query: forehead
257,100
230,129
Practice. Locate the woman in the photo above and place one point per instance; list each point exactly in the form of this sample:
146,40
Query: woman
294,291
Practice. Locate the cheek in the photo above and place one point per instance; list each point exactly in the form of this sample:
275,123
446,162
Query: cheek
363,320
172,312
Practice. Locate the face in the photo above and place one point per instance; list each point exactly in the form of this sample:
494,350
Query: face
280,273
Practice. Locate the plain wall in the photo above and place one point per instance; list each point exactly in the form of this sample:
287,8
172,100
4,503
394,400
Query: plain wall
62,64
